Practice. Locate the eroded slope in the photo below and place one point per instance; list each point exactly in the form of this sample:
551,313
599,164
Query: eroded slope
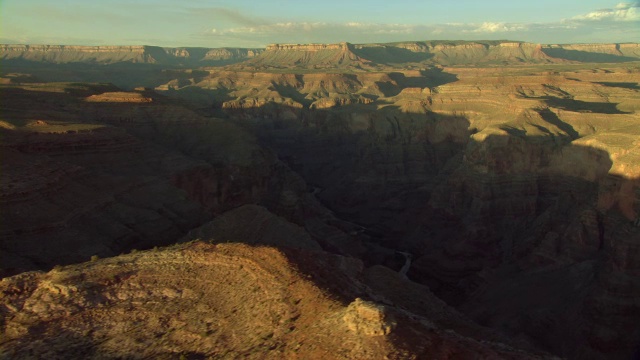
221,301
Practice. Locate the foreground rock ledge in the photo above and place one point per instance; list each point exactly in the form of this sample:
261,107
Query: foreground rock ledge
212,301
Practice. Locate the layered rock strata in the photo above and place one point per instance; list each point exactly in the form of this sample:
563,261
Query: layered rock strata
491,179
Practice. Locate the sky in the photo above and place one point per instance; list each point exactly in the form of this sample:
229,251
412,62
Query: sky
256,23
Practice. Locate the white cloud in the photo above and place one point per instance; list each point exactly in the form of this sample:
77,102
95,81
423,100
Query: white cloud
622,12
493,27
615,24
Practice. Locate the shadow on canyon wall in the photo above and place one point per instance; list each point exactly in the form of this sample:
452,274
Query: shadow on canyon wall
587,57
469,209
83,177
429,78
624,85
196,58
388,55
583,106
125,75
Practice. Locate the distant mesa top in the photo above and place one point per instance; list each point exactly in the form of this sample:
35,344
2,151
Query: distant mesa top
340,55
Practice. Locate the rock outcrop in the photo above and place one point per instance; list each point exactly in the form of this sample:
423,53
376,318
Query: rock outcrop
307,55
254,225
119,97
308,47
139,54
101,178
490,179
595,52
455,53
325,56
227,300
73,53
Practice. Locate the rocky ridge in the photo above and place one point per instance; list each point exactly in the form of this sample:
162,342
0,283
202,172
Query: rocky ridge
217,301
307,55
140,54
357,57
95,169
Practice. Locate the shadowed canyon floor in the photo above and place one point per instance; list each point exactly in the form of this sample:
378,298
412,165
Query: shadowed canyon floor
327,201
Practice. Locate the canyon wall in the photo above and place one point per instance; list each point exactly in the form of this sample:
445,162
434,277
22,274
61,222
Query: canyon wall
490,179
321,56
142,54
104,177
183,301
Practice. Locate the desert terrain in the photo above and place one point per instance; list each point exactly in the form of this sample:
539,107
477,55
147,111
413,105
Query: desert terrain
413,200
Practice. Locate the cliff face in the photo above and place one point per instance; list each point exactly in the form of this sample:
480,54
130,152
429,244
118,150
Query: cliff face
625,49
307,55
493,52
67,54
342,55
451,53
595,52
63,54
345,54
81,49
94,162
308,47
231,54
479,172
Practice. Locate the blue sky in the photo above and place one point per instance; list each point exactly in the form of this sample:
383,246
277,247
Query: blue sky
246,23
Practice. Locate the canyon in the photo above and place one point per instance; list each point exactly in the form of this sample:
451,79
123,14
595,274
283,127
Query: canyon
410,200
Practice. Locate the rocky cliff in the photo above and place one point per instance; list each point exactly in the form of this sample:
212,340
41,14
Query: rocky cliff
489,177
370,56
62,54
308,47
455,53
595,52
94,161
307,56
627,49
509,192
356,57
